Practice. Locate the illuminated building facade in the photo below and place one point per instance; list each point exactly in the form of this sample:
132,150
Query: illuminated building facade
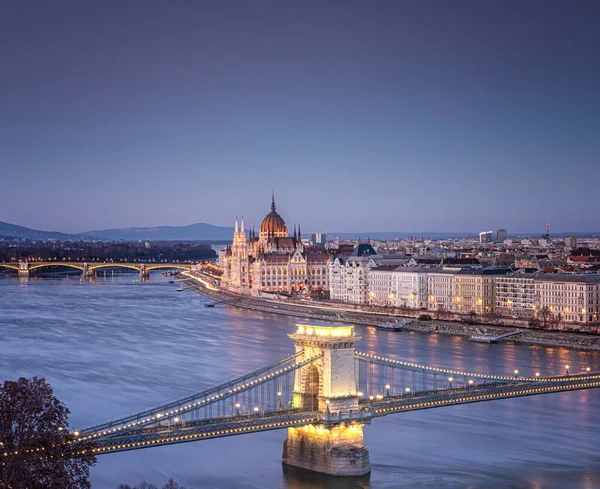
272,261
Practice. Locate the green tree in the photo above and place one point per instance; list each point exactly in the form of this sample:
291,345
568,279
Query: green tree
34,440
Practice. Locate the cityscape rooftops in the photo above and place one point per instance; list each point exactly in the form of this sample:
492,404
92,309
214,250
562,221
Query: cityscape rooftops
559,277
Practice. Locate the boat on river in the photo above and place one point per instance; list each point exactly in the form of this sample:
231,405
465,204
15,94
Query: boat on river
395,325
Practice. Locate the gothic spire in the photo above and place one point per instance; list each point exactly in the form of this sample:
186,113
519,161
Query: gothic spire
295,235
273,200
299,235
236,225
242,230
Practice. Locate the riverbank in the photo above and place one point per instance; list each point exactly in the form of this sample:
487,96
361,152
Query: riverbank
337,313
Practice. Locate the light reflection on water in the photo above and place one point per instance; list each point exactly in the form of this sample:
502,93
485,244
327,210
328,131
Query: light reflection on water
115,345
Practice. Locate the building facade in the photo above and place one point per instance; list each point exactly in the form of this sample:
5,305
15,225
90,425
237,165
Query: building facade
348,280
272,261
440,285
515,295
474,290
572,298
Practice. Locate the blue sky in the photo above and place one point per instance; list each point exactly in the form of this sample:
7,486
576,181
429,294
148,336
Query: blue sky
364,116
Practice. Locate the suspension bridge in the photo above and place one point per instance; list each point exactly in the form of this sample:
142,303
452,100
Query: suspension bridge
24,268
323,394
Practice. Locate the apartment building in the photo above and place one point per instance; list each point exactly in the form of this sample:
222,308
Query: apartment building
573,298
515,295
474,290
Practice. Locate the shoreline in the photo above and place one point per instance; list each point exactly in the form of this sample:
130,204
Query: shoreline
547,339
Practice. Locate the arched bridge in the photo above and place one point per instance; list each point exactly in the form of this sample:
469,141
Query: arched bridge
24,268
324,394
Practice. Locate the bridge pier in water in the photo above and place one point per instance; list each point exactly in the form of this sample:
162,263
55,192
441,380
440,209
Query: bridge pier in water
334,445
23,269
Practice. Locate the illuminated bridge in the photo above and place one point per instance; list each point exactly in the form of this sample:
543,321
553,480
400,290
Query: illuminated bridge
24,268
324,394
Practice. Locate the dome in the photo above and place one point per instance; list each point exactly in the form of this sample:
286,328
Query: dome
273,224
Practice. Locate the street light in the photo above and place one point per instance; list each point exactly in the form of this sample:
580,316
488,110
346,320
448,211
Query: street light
567,369
359,394
537,374
237,408
516,373
387,389
450,379
407,391
256,409
471,382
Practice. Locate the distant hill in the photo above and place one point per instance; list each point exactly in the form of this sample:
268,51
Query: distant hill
14,231
193,232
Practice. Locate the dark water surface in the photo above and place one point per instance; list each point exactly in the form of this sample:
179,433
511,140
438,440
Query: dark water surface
116,346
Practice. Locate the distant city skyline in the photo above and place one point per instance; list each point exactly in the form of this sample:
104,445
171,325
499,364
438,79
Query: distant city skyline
423,116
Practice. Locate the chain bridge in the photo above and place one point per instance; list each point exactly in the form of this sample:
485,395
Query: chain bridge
323,394
24,268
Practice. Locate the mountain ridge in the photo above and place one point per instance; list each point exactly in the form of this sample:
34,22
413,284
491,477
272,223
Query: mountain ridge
209,232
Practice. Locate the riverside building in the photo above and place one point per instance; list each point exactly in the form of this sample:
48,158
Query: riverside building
271,261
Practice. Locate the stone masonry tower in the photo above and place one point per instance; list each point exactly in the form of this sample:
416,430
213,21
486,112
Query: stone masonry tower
335,445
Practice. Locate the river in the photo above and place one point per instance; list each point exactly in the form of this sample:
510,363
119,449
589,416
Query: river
116,345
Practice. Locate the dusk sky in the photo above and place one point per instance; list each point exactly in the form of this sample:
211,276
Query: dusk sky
416,116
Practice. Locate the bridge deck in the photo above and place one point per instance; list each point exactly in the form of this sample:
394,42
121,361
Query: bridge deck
207,428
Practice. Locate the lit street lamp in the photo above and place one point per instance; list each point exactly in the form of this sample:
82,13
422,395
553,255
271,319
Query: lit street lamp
450,379
567,369
387,390
516,373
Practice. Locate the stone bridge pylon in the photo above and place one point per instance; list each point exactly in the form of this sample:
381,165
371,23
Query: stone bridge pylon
335,445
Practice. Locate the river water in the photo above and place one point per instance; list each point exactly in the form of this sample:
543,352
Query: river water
117,345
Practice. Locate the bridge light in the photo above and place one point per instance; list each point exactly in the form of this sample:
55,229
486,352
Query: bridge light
516,373
537,374
176,420
567,369
256,409
407,390
587,369
360,394
76,433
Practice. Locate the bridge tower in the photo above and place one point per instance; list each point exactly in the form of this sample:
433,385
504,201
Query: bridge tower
87,271
144,274
23,268
335,445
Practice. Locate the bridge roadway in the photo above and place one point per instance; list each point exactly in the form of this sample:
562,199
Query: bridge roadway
89,268
218,427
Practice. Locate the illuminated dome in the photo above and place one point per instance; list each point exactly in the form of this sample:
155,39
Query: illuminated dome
273,224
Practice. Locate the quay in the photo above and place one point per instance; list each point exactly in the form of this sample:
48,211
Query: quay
490,338
335,313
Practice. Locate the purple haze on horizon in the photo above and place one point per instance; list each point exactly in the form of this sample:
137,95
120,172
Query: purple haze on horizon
364,116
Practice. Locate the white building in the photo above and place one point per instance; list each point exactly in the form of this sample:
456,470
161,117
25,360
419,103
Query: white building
515,295
440,286
485,236
348,275
410,287
573,298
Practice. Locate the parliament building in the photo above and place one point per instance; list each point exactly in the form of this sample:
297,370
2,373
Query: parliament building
272,262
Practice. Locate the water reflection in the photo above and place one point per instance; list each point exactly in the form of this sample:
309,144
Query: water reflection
117,345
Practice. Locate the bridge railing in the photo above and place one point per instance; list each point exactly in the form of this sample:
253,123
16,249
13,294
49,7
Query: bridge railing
265,388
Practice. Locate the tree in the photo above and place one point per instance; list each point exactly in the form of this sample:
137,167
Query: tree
442,313
34,434
545,315
492,317
171,484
